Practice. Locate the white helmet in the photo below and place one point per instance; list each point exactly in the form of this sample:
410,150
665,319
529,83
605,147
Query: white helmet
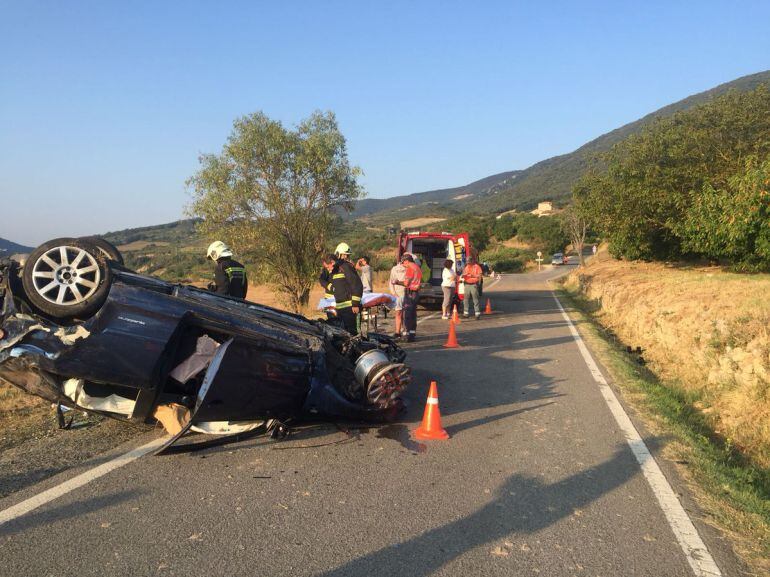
218,249
342,248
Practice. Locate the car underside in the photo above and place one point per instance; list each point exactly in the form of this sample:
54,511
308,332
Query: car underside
80,330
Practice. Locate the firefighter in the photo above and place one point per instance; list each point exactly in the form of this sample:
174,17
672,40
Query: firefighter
412,281
345,286
229,275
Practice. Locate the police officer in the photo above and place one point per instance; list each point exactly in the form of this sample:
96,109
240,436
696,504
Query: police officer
229,275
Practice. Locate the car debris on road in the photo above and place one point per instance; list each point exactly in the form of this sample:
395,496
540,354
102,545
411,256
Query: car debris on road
79,329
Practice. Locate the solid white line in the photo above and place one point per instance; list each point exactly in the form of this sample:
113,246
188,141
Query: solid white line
686,534
430,316
49,495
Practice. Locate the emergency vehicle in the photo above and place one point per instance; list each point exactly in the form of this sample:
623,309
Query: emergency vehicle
432,249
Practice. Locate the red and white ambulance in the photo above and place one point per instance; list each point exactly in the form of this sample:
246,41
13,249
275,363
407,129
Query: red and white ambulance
432,249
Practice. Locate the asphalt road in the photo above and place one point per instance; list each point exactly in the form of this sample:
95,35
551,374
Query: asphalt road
536,479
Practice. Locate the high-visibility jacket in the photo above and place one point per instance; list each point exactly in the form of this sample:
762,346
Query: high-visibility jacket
472,274
230,278
413,276
344,284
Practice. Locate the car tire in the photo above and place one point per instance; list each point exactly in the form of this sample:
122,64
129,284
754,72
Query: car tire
67,278
106,248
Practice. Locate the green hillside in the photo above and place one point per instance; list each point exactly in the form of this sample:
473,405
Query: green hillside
415,204
553,178
550,179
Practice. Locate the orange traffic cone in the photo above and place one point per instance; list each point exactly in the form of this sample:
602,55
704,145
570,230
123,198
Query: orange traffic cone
488,309
451,341
456,317
430,429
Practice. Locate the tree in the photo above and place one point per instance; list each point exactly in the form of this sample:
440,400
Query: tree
274,192
640,193
576,227
733,222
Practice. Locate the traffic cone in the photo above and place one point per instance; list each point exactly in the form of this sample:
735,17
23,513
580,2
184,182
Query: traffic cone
456,317
431,429
488,309
451,341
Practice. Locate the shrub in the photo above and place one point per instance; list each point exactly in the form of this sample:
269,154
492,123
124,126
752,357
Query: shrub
504,259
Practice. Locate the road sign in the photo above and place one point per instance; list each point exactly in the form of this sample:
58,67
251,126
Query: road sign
539,254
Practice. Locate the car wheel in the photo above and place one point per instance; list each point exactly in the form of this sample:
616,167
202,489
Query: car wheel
67,278
108,249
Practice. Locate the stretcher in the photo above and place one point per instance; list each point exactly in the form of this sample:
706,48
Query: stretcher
372,306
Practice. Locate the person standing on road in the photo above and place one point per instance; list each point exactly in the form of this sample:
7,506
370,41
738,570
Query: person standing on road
412,282
396,284
345,286
229,275
472,276
365,272
448,283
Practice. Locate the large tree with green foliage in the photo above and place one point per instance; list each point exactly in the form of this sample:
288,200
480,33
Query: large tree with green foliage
273,192
733,221
646,193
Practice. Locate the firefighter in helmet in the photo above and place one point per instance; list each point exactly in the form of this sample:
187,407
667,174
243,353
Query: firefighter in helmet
229,275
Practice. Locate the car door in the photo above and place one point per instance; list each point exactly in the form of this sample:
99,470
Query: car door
247,381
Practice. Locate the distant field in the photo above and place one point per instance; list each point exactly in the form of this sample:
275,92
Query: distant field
417,222
140,245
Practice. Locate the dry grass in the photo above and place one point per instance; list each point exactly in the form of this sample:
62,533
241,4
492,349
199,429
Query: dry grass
702,328
418,222
140,245
20,413
270,296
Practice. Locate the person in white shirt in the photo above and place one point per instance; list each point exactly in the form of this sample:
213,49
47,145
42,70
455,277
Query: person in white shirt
365,272
448,283
396,284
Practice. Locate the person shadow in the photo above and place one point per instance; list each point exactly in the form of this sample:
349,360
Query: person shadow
522,505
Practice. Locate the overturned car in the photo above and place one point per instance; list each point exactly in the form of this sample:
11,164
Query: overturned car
79,329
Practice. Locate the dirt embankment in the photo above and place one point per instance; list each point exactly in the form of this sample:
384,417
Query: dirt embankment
703,329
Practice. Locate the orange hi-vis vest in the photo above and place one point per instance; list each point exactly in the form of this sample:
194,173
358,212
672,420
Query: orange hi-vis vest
413,276
472,274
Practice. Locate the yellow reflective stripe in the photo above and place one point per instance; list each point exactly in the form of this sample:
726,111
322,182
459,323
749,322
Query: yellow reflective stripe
328,295
344,305
341,275
355,298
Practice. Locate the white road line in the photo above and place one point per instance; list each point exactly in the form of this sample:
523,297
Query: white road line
686,534
49,495
494,282
430,316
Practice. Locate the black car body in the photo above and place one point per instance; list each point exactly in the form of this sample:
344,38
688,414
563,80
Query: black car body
268,363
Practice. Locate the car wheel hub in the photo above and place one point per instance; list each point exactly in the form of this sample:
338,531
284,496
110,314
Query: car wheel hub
66,275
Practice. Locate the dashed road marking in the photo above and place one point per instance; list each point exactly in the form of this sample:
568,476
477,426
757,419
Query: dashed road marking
49,495
695,550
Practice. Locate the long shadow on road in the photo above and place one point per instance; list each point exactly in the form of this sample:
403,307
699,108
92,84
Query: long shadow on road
523,505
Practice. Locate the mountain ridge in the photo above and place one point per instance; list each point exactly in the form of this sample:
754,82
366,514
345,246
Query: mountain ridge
7,248
553,178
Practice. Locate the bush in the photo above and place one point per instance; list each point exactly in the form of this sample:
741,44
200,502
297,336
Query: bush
681,186
504,259
546,231
504,227
733,222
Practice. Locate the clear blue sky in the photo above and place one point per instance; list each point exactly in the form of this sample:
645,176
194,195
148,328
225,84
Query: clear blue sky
105,106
